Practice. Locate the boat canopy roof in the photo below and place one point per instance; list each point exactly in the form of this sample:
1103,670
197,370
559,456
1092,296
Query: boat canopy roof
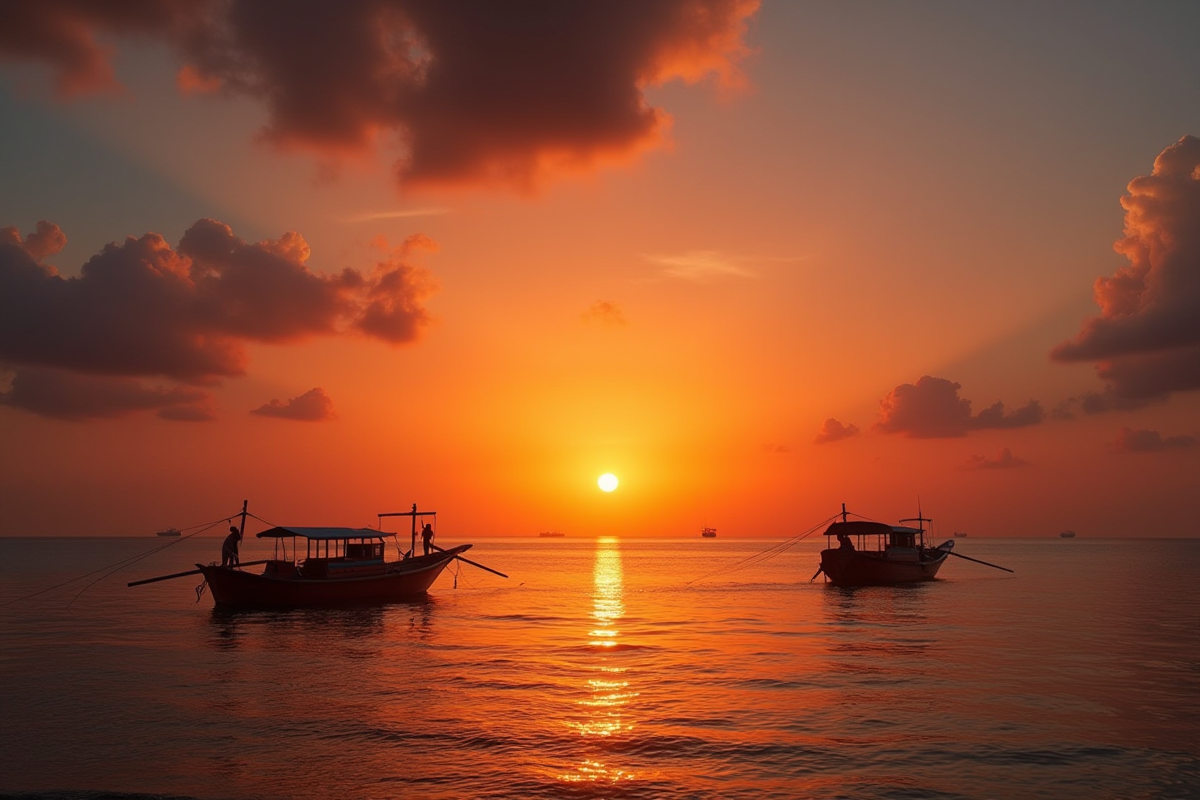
325,534
860,527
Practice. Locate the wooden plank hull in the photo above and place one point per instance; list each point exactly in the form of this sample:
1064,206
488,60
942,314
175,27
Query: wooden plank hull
399,581
846,567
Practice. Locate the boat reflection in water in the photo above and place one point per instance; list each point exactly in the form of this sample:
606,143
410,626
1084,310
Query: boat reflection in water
609,685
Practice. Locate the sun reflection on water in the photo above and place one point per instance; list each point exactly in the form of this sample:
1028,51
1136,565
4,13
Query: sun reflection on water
604,709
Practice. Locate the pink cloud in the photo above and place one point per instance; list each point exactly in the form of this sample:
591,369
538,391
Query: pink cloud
62,395
931,408
1149,441
312,406
141,308
1146,341
475,91
834,431
1003,460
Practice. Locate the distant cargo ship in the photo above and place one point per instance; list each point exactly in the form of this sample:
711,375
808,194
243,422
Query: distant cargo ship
1067,534
960,535
708,533
169,532
550,534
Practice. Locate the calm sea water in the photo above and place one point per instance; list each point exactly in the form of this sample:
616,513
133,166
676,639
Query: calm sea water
612,668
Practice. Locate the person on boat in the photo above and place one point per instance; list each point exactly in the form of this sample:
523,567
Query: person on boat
844,540
427,538
229,550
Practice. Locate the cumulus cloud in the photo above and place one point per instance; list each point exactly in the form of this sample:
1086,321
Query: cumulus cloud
62,395
474,91
1149,441
931,408
1003,460
604,312
140,308
312,406
833,431
1146,341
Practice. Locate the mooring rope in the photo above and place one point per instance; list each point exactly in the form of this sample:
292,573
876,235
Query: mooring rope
764,555
112,569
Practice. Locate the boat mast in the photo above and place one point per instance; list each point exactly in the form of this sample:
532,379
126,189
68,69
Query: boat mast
413,550
242,529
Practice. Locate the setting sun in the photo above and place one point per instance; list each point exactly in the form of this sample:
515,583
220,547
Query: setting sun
607,482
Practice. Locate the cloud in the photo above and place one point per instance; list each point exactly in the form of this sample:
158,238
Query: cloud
701,266
604,312
1100,402
1148,441
778,449
1146,341
833,431
312,406
62,395
1003,460
474,91
931,408
140,308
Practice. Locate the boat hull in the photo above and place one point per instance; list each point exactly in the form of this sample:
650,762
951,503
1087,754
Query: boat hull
398,581
846,567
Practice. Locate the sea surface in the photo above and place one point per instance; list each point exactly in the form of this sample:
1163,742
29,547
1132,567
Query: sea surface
610,667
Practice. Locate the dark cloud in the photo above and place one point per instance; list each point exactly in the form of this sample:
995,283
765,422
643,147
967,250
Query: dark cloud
140,308
833,431
1100,402
62,395
994,416
1146,341
1003,460
1148,441
604,312
931,408
474,91
312,406
63,34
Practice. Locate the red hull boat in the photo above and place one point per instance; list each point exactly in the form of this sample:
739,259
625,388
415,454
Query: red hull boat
876,554
318,582
339,566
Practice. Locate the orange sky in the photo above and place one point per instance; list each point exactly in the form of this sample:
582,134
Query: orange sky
756,261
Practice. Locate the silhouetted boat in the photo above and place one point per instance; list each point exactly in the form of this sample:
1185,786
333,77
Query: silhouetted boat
169,532
960,534
550,534
1067,534
339,566
876,554
708,533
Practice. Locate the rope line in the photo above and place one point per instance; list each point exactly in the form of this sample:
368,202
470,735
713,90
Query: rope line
112,569
765,555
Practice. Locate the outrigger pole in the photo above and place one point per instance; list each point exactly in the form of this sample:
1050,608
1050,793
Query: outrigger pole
977,561
472,563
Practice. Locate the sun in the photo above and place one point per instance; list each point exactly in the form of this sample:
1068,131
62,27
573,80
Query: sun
607,482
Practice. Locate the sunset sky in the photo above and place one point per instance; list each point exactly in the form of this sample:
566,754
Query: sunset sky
756,260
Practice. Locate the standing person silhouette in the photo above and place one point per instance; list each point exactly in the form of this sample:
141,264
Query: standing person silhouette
229,550
427,538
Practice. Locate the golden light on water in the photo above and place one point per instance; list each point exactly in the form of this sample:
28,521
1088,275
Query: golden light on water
609,694
607,482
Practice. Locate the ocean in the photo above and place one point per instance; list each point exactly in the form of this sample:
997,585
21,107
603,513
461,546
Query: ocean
610,668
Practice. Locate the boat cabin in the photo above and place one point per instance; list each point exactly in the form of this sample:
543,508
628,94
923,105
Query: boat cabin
328,552
897,541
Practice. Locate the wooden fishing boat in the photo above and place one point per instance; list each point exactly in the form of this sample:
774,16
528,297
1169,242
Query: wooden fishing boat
315,567
877,554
